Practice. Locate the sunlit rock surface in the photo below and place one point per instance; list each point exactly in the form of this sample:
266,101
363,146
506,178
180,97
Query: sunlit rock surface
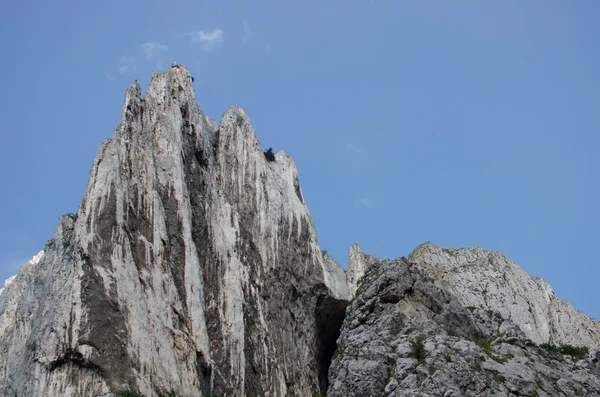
488,280
424,326
192,266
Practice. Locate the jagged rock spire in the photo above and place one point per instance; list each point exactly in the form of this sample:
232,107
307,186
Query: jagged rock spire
192,266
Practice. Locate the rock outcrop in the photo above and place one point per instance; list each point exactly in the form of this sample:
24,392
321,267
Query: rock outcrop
488,280
32,262
409,331
191,267
357,264
7,282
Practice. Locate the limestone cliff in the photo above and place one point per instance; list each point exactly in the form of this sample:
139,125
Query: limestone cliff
192,269
488,280
192,266
460,323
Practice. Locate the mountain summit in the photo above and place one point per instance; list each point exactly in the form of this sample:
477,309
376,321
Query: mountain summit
192,265
192,268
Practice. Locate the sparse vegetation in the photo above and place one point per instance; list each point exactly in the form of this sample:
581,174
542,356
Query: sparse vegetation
471,308
418,349
578,353
450,251
499,377
323,252
503,359
360,288
486,345
390,374
431,368
269,155
557,352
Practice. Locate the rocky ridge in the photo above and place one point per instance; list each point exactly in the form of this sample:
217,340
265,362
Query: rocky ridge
409,331
32,262
488,280
191,266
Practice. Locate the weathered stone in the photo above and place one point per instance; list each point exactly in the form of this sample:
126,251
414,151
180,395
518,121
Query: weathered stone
192,266
357,263
488,280
407,332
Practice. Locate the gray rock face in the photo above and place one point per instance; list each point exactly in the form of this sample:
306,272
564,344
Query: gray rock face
488,280
357,263
192,267
34,261
407,334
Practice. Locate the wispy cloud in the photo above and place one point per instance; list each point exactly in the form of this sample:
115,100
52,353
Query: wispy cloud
150,50
247,32
365,202
127,63
109,76
354,149
209,40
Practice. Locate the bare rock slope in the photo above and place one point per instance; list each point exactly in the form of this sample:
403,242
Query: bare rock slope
192,266
488,280
424,326
192,269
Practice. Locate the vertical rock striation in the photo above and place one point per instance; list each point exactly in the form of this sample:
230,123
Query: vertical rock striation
192,266
357,263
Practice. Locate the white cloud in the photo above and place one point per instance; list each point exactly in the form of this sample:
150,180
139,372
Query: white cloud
151,49
365,202
247,32
109,76
209,40
127,63
351,148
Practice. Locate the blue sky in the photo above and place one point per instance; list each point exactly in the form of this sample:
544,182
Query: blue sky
457,122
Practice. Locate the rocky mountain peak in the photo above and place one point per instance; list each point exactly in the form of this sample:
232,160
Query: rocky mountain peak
192,266
488,280
408,332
